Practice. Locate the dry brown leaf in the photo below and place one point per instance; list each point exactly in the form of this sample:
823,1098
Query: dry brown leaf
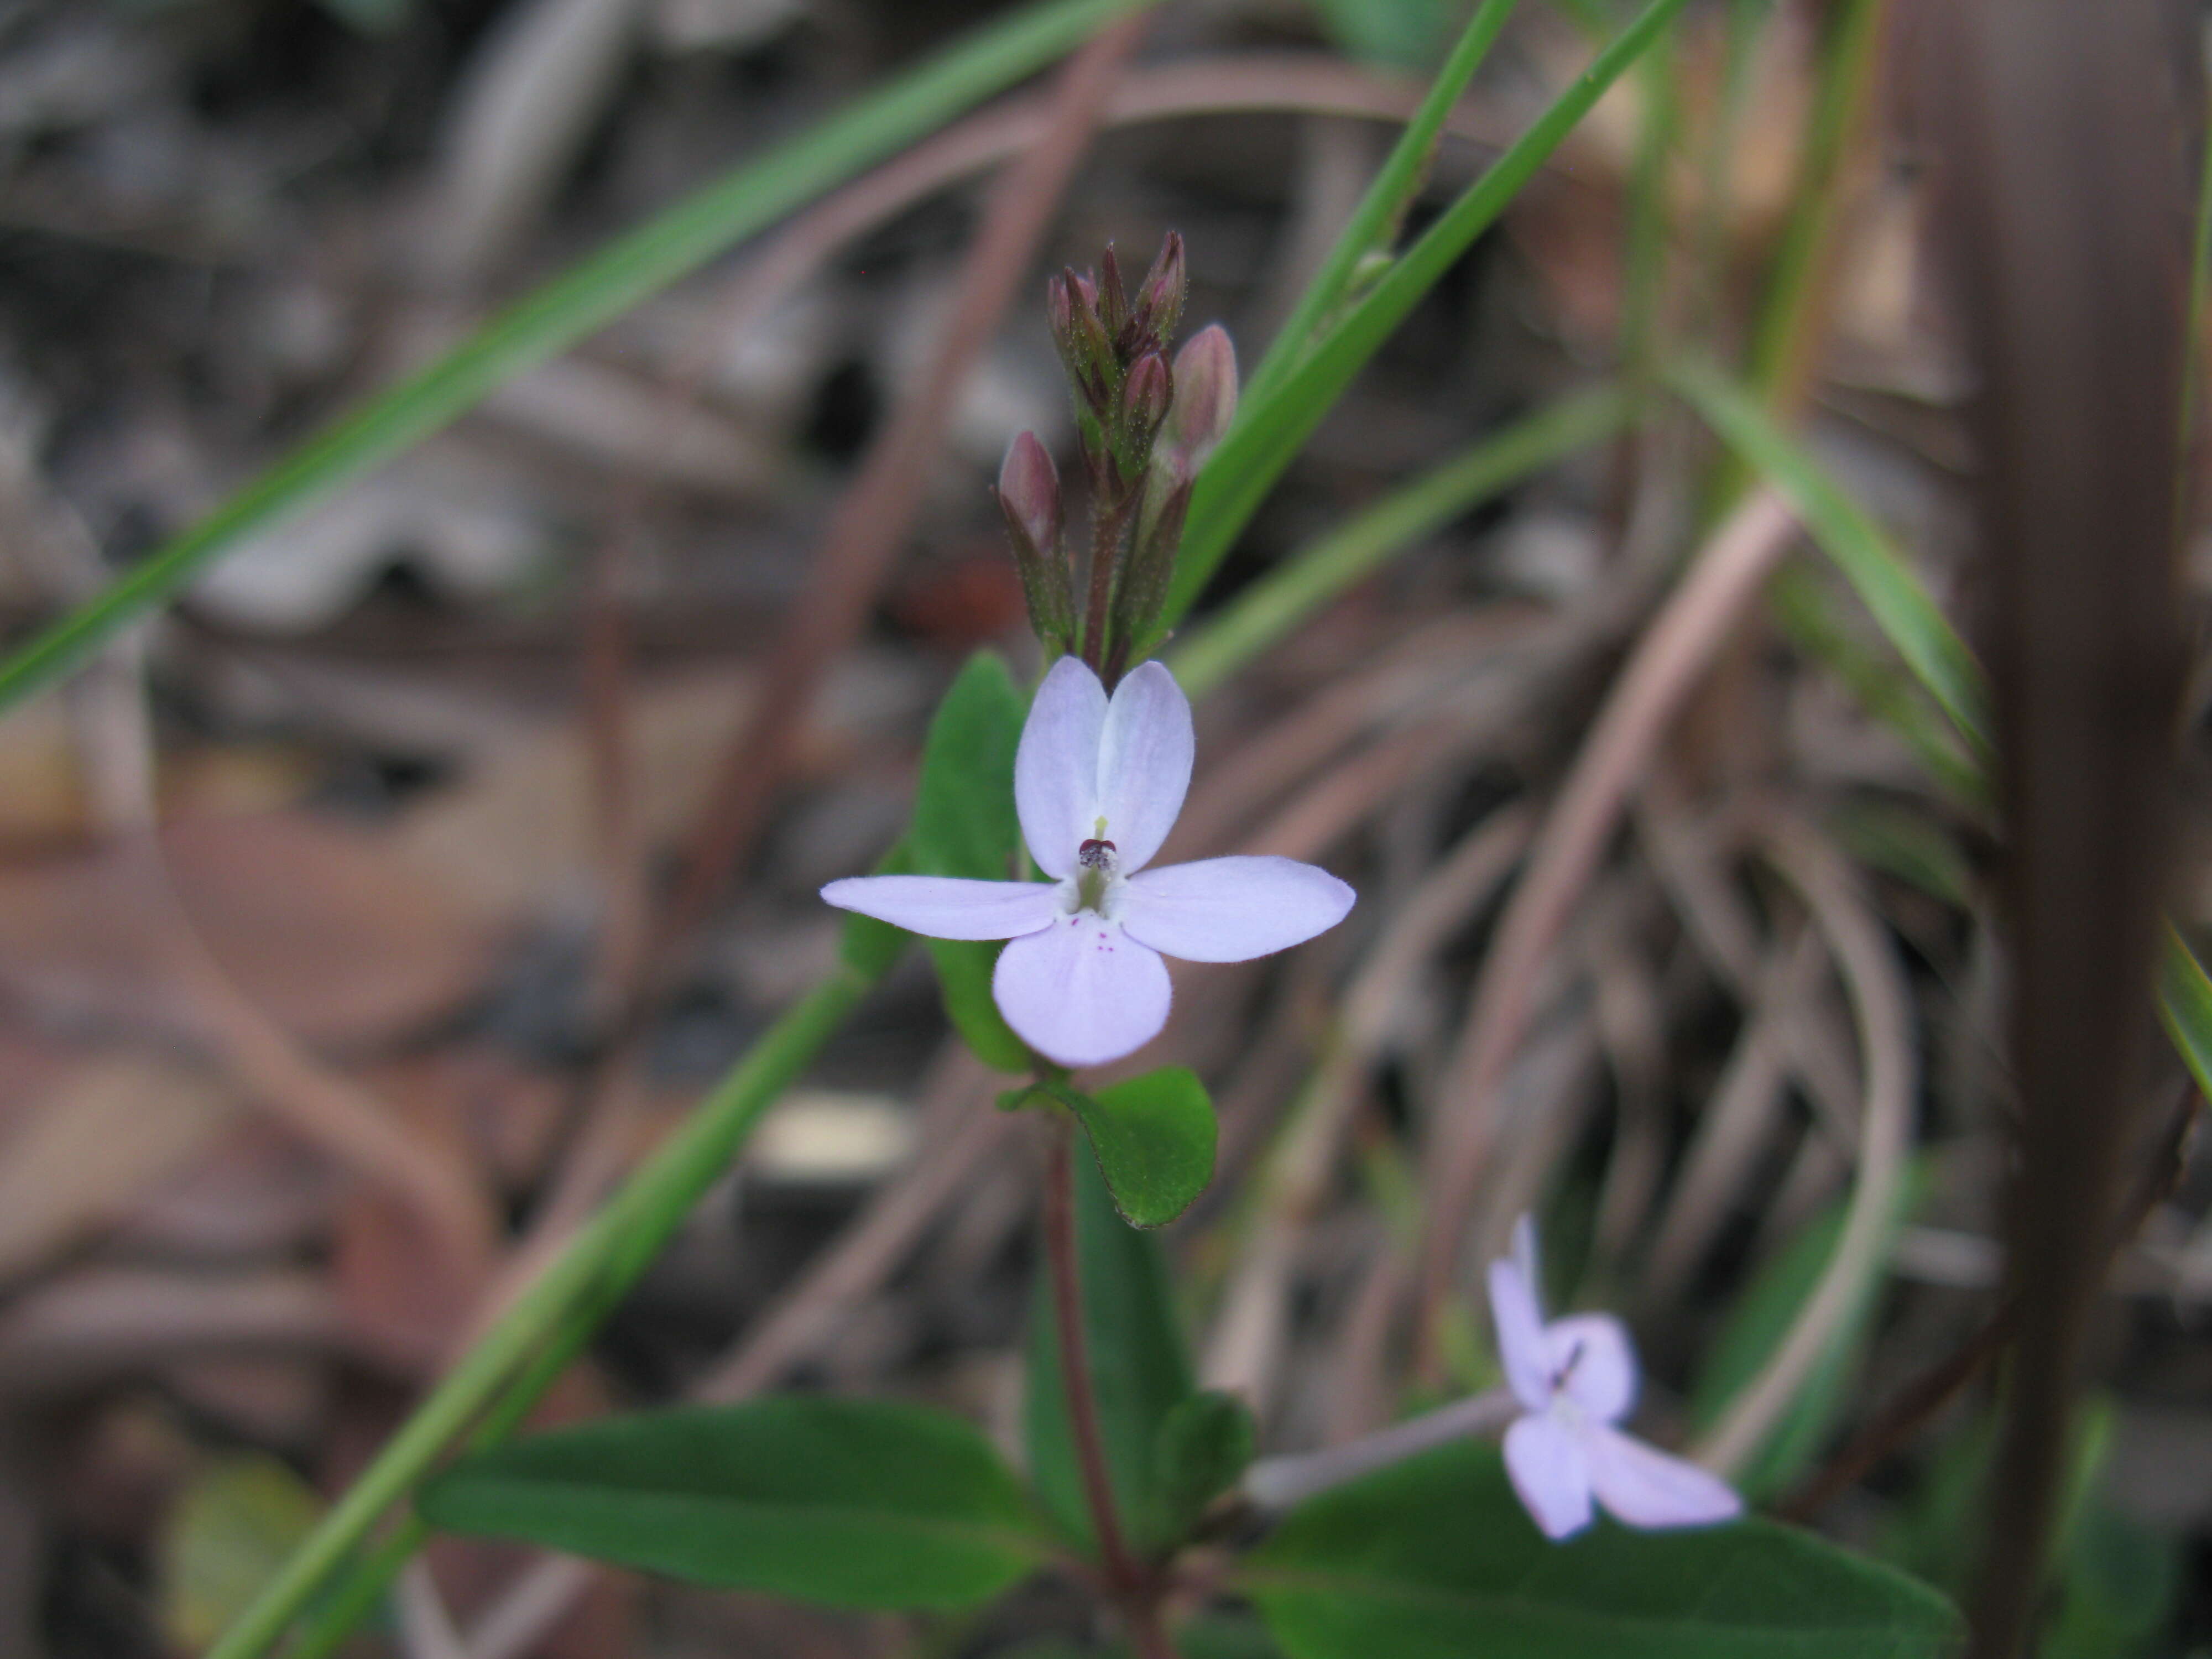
92,1142
322,925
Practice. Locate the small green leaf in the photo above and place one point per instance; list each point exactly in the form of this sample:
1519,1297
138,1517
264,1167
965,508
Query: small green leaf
1434,1559
1154,1137
1204,1444
964,825
864,1504
1139,1372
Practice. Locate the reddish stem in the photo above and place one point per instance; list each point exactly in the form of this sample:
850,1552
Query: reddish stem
1134,1588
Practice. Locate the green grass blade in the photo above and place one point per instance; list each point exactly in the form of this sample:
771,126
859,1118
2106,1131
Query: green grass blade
1264,612
2184,1003
1375,221
1272,430
747,199
1887,586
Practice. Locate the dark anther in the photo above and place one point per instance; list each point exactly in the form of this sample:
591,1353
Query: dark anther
1095,854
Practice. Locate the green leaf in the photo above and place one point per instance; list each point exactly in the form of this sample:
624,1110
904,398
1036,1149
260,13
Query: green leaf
1273,424
1761,1320
1204,1444
1154,1138
2119,1583
1390,33
2184,1003
1886,584
1139,1372
964,825
867,1503
1434,1559
751,197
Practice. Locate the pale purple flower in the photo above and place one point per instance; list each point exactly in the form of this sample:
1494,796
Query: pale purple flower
1097,784
1575,1378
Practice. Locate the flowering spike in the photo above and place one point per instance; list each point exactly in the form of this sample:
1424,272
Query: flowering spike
1159,305
1029,495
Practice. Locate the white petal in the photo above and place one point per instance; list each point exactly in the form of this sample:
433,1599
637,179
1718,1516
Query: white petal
1232,910
1144,764
948,907
1593,1356
1645,1487
1056,766
1551,1473
1082,992
1521,1349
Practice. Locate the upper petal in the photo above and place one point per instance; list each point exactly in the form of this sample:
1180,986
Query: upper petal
1596,1362
948,907
1144,764
1551,1473
1645,1487
1056,765
1521,1349
1232,910
1082,992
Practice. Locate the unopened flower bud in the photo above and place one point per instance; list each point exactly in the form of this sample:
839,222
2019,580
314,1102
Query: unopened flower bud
1146,395
1072,306
1028,492
1113,297
1159,305
1205,399
1029,495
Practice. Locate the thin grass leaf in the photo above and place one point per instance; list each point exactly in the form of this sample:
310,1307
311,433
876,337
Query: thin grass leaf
1272,428
1872,566
1264,612
747,199
2184,1003
1375,221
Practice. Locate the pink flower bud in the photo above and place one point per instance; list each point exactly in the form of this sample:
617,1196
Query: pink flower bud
1113,297
1159,301
1146,395
1029,490
1205,395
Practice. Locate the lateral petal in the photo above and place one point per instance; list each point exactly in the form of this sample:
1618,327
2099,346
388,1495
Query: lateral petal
1522,1351
948,907
1551,1473
1082,992
1145,755
1056,765
1646,1488
1232,910
1592,1355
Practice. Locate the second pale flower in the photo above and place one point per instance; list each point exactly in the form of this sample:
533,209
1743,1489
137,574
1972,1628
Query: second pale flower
1098,784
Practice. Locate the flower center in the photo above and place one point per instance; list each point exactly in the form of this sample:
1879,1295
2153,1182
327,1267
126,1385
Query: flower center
1098,865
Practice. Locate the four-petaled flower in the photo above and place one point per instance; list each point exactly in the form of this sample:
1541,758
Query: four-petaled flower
1575,1378
1097,784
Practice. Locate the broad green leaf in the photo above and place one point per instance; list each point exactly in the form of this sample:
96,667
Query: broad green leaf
749,197
1434,1559
867,1503
1139,1370
1154,1138
1760,1321
1884,583
2119,1582
1273,424
2184,1003
964,825
223,1539
1203,1448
